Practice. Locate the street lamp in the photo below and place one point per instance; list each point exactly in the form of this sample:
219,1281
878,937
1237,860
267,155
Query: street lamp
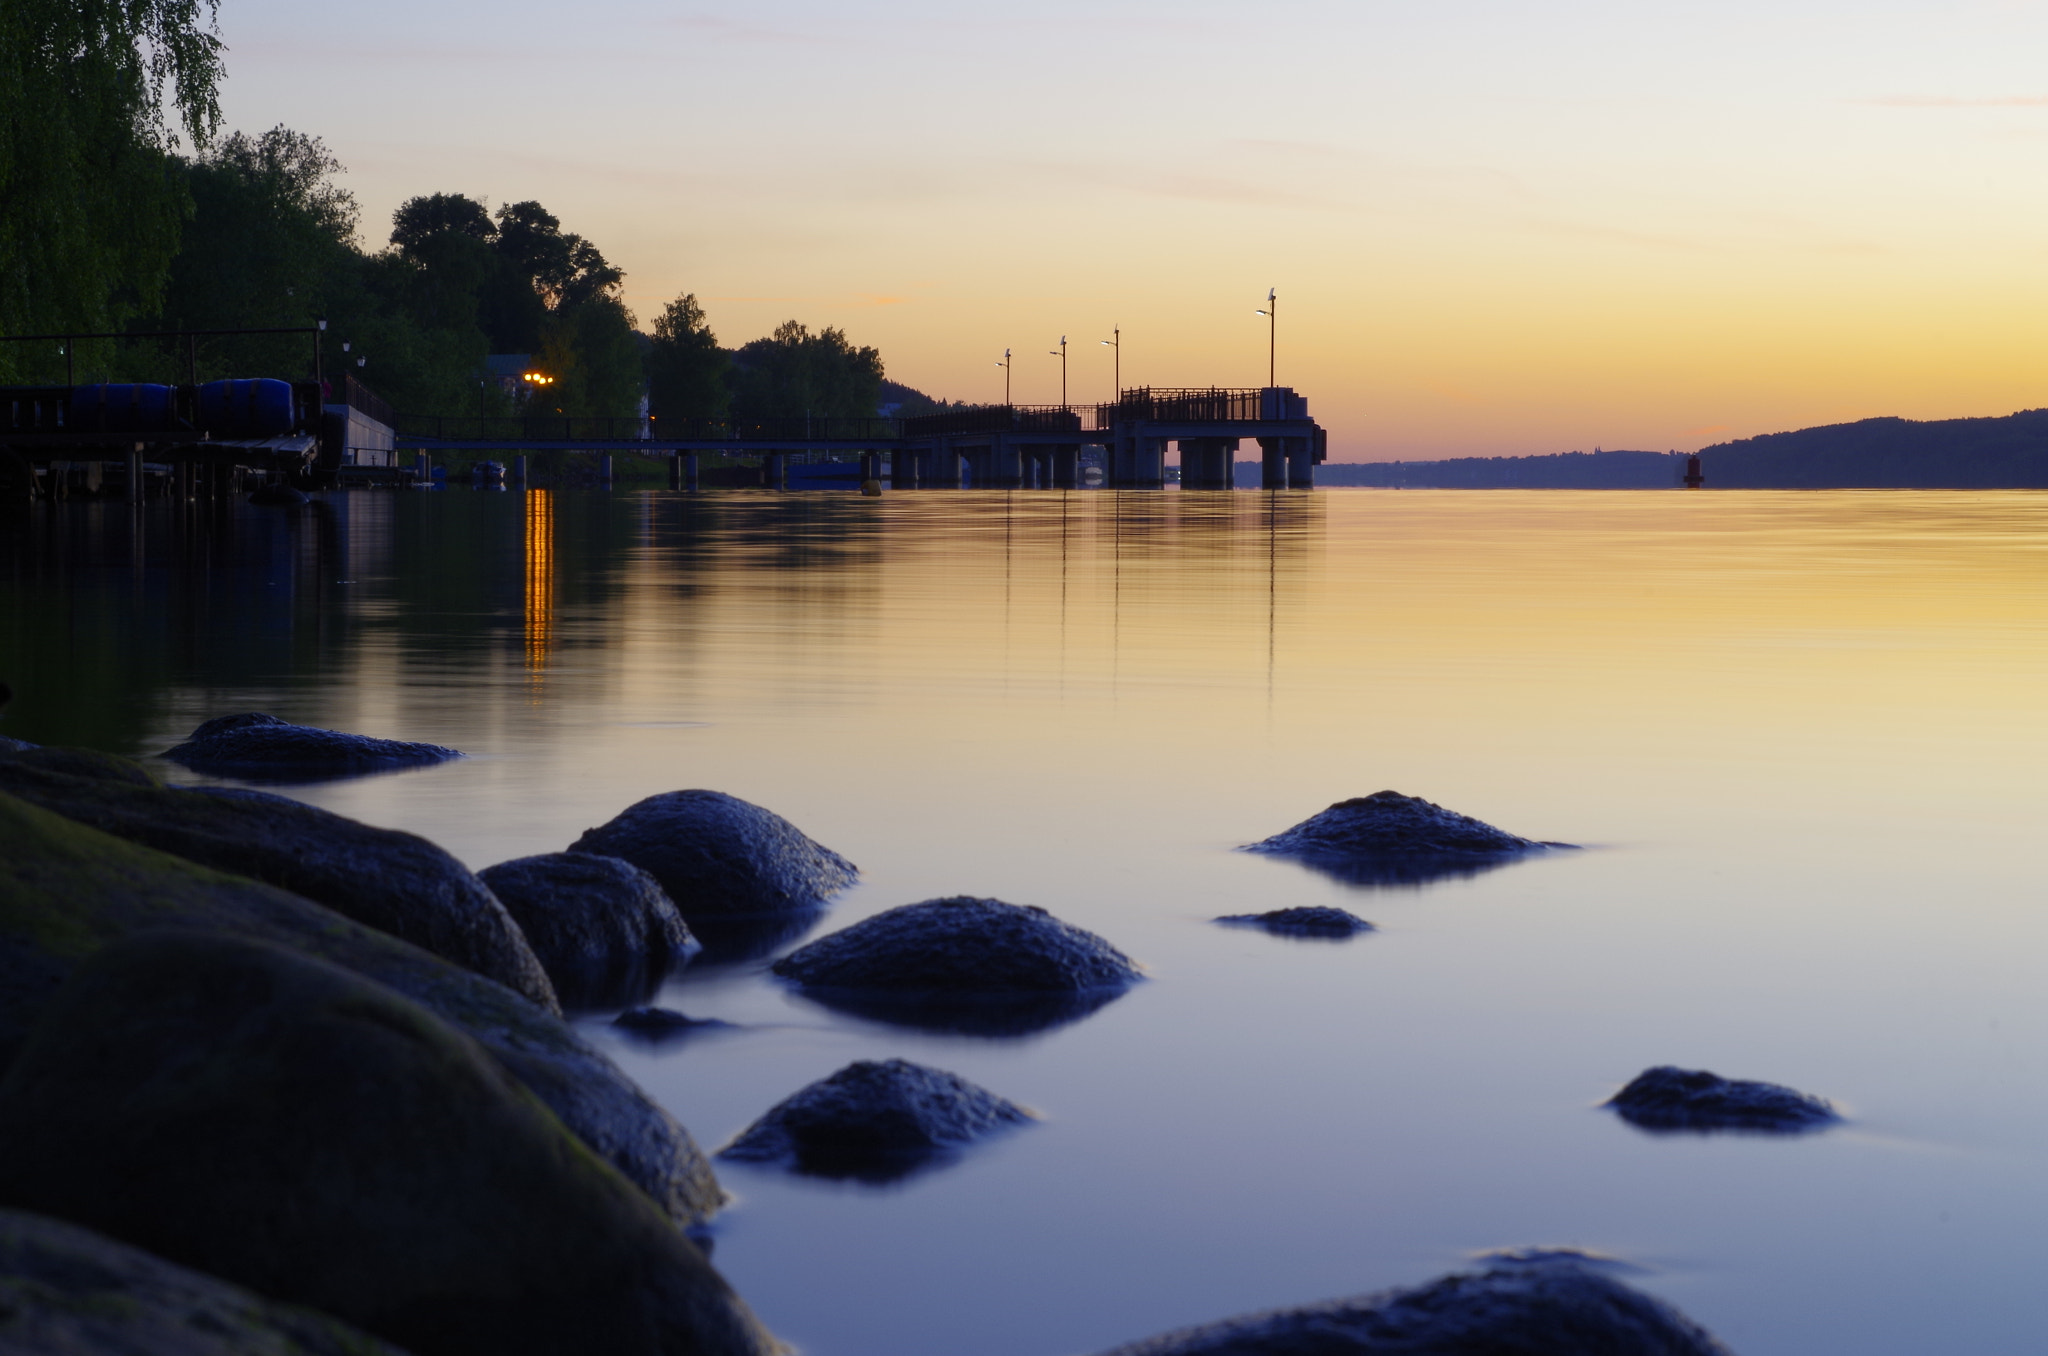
1116,341
1061,354
1005,365
1272,314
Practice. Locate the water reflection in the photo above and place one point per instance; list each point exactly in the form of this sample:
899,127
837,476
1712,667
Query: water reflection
540,585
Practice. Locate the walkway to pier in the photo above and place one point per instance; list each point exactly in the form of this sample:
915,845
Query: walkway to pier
990,447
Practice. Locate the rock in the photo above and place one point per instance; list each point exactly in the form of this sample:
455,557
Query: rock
1665,1098
605,931
963,964
67,1289
67,890
876,1121
257,747
1558,1307
14,745
1388,838
395,882
1313,921
662,1025
285,1124
737,872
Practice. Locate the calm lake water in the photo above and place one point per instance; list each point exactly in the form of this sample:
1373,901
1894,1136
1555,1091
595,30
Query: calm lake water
1804,735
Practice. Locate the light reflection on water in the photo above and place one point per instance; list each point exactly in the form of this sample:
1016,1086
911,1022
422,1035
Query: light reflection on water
1805,734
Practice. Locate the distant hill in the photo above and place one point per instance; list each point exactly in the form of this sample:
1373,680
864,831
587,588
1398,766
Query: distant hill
1558,471
1961,454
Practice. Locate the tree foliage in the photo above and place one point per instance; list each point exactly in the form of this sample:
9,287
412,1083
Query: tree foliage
94,95
794,373
686,369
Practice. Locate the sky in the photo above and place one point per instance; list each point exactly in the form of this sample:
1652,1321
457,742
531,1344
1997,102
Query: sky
1495,228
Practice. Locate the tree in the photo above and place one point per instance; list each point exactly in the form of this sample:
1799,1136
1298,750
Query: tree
794,373
90,201
686,369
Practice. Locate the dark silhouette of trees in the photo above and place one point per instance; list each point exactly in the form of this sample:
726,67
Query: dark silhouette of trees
686,369
794,373
94,95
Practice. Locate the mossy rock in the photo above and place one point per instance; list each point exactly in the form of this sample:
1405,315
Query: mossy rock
67,890
67,1289
243,1109
393,881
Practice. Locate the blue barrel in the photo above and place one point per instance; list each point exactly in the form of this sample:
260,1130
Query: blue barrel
260,408
129,408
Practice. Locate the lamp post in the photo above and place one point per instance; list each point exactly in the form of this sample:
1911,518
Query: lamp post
1116,342
1005,365
1061,354
1272,314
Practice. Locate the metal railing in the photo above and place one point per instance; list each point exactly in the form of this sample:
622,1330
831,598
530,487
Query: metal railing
1001,419
1213,404
527,428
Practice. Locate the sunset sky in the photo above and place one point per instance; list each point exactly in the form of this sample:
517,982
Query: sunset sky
1497,228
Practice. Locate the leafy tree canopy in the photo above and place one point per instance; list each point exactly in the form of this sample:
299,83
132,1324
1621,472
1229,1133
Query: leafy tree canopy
793,373
93,95
686,369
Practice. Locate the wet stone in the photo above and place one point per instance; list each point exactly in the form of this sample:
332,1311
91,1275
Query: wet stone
963,964
605,931
877,1121
666,1024
1389,838
1555,1306
724,860
1312,922
258,747
1672,1099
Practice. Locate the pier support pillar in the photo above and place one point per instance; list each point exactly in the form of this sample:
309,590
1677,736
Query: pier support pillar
1205,463
1005,467
1272,464
135,475
422,470
604,469
519,468
945,466
1301,465
689,460
1140,463
903,469
1066,467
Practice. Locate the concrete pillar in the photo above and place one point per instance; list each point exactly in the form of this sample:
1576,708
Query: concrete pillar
945,466
689,460
1145,467
422,470
1066,467
135,475
675,471
604,469
1005,467
519,468
1272,464
903,469
1301,466
1205,463
775,471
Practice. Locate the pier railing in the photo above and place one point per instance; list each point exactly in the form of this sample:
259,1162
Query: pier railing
530,428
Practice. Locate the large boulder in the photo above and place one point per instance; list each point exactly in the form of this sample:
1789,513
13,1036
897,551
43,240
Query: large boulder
259,747
605,930
393,881
67,1289
1554,1306
963,964
1391,839
745,878
1312,921
285,1124
1672,1099
877,1121
67,890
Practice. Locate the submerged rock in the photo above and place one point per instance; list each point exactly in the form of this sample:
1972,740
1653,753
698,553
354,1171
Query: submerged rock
666,1024
721,857
875,1121
255,746
392,881
67,890
287,1125
1558,1307
963,964
605,931
67,1289
1313,921
1667,1098
1388,838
